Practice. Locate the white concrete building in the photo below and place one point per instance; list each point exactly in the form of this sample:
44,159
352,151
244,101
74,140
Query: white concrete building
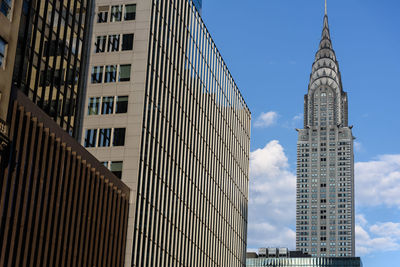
165,115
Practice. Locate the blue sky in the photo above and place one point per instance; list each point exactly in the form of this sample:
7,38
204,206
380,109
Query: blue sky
269,46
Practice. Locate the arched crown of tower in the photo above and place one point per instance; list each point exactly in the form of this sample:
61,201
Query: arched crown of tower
325,69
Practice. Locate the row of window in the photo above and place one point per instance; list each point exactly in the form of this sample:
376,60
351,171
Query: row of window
118,13
3,45
104,137
111,73
114,43
114,166
107,105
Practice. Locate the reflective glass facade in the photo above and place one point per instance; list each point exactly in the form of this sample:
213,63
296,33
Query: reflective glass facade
50,60
193,175
304,262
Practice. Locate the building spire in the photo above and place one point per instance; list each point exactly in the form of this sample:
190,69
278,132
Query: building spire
326,9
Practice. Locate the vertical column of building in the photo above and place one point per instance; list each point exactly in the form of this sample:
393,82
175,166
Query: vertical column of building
325,162
114,101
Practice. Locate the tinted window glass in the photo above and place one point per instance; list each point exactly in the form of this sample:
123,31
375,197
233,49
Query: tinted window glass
90,138
122,104
127,42
104,137
130,12
124,73
119,137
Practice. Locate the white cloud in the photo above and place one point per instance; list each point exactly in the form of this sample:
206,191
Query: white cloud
266,119
378,182
379,237
298,117
272,195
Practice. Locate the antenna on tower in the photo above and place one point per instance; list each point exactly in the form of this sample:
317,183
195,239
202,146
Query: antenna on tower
326,9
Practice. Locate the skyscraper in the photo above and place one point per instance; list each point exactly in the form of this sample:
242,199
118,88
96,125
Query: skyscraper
325,161
58,205
164,113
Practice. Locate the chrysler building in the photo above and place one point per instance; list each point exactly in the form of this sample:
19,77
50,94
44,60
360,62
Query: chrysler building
325,162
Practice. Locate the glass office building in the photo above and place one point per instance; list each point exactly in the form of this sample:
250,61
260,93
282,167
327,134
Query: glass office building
304,262
164,110
50,64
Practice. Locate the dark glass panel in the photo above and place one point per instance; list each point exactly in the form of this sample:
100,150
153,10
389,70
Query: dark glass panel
119,137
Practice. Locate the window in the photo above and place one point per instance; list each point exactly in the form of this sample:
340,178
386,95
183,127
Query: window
100,44
46,78
111,74
124,73
116,168
130,12
119,137
102,16
116,13
107,106
53,48
97,74
94,106
127,42
90,138
5,8
122,104
104,137
3,45
113,43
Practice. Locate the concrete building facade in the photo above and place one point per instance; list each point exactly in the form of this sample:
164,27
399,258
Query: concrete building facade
159,83
325,162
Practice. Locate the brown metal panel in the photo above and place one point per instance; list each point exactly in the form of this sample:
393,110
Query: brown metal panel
25,211
103,232
85,216
20,182
30,221
78,213
38,210
59,185
123,230
111,260
4,250
117,229
70,215
94,216
73,209
99,221
52,211
46,195
61,233
68,218
110,207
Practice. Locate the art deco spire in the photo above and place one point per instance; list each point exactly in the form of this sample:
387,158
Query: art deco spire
325,68
325,74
